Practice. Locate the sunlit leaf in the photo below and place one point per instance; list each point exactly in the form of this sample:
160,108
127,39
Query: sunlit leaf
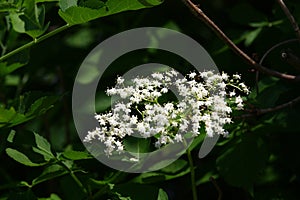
47,156
74,14
43,144
11,136
65,4
52,197
31,20
162,195
9,117
21,158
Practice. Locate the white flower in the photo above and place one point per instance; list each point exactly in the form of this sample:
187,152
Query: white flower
192,75
178,138
141,127
111,91
232,93
158,76
119,145
139,109
236,76
222,85
239,102
164,90
120,80
169,106
244,88
225,76
134,159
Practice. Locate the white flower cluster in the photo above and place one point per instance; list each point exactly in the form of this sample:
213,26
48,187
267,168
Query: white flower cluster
140,110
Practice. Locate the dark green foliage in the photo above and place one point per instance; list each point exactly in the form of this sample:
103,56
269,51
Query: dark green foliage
41,154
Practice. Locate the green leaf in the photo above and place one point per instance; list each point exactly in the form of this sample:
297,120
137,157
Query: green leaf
251,36
13,80
137,145
246,160
73,14
175,167
7,6
76,155
43,144
65,4
41,105
52,197
21,158
94,4
265,24
22,23
101,183
151,177
115,6
270,89
83,38
162,195
31,20
14,62
154,177
137,191
47,156
9,117
6,68
11,136
79,15
42,1
51,172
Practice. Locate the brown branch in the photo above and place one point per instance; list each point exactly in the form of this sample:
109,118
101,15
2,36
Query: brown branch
201,15
282,106
274,47
290,17
257,112
214,182
267,53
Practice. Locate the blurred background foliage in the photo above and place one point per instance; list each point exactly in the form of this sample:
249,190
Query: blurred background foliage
259,160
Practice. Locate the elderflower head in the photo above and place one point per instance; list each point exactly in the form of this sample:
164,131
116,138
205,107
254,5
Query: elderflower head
140,111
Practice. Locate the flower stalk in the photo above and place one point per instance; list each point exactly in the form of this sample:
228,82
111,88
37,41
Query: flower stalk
193,180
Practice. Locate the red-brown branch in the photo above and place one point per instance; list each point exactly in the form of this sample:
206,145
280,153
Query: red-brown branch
202,16
290,17
257,112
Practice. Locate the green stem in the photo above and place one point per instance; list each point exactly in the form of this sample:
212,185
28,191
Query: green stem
78,182
194,187
104,189
73,176
234,86
115,177
35,41
3,47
